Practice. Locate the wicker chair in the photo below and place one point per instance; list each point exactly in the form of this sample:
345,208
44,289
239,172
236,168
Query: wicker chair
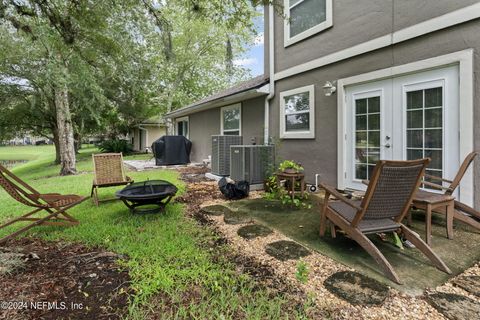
55,204
462,212
386,202
109,172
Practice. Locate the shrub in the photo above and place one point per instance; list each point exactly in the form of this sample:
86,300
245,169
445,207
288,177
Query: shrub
116,146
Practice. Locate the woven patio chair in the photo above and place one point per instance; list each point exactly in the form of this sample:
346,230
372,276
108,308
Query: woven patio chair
55,204
109,172
462,212
386,202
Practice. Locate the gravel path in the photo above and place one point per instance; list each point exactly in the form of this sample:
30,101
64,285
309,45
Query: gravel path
396,306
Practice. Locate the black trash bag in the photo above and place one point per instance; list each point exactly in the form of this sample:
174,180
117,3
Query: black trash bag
234,191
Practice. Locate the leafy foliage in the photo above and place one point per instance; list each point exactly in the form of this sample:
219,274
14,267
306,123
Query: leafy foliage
302,272
116,146
290,164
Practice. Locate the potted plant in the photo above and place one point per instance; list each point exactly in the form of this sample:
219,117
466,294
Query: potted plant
290,166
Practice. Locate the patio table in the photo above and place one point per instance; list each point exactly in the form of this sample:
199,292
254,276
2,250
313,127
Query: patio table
430,201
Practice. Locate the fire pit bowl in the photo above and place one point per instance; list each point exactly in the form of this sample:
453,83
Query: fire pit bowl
151,193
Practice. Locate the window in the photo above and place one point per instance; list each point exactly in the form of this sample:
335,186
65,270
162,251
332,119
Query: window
231,120
181,127
305,18
297,113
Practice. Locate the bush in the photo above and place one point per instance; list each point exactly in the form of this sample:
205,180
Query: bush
116,146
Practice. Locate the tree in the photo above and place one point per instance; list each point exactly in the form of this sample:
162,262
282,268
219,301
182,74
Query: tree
104,66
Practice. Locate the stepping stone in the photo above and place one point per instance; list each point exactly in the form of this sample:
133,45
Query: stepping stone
236,217
454,306
470,284
215,210
254,231
286,250
356,288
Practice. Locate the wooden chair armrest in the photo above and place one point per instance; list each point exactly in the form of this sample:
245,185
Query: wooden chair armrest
339,196
435,186
437,178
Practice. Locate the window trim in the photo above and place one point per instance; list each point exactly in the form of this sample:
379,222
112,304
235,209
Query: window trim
310,134
186,119
287,40
230,107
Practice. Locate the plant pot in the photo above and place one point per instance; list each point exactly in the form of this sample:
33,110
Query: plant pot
290,170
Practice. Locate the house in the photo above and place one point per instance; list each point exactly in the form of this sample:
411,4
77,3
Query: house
143,135
354,82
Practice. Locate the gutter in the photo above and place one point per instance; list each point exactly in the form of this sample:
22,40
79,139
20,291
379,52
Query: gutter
271,66
251,93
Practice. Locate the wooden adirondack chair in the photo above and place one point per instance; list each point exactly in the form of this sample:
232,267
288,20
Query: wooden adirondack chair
109,172
55,204
461,212
386,203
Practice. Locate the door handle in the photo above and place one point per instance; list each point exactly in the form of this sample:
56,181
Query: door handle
387,145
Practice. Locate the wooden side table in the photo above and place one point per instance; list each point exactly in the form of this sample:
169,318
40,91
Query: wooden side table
292,178
430,201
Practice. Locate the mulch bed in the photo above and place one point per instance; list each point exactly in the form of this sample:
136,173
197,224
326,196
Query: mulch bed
53,280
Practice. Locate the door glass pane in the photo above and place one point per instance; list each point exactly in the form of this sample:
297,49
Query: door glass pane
307,15
415,119
425,127
433,97
367,136
433,118
415,99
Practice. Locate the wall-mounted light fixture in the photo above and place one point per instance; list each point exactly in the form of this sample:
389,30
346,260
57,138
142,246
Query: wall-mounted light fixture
329,88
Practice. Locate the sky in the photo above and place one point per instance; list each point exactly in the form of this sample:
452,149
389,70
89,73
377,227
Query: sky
253,57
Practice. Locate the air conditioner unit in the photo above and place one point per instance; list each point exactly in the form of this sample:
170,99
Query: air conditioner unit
221,153
251,163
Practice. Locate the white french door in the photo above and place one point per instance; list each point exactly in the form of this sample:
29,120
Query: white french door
403,118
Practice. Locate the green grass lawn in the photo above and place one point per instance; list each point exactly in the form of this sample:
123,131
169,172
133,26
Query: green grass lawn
167,254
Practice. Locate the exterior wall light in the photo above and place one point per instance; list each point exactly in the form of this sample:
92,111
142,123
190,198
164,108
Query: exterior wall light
329,88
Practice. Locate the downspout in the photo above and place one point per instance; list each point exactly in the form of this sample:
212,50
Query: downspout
271,65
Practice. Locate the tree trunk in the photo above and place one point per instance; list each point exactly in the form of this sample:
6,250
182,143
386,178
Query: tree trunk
78,141
65,132
56,142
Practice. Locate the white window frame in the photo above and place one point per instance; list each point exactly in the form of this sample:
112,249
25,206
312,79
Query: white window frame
310,134
307,33
231,107
186,119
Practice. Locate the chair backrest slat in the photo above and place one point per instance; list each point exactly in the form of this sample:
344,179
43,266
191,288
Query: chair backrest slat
108,168
17,189
461,172
392,188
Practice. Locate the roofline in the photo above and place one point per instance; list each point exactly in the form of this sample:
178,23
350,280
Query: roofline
263,90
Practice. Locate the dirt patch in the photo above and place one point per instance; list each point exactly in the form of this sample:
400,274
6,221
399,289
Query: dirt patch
454,306
216,210
236,217
62,281
253,231
356,288
286,250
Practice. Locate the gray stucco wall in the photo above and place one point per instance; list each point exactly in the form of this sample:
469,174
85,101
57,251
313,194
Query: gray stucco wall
204,124
355,23
320,154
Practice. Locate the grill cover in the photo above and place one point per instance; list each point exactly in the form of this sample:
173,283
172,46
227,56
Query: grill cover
170,150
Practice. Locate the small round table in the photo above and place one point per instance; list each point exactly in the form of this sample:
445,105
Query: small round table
292,178
150,192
